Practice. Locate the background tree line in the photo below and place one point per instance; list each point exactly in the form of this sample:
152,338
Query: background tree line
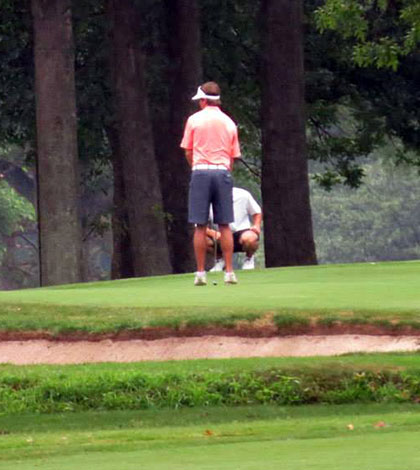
134,67
376,222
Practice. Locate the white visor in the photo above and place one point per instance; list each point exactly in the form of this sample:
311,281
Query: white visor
200,95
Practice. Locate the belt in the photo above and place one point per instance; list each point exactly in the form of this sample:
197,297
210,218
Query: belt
204,166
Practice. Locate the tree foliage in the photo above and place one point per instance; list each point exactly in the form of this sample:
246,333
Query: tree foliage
15,210
377,222
382,31
17,111
353,110
383,102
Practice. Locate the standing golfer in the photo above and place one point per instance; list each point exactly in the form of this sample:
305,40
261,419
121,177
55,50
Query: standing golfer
211,144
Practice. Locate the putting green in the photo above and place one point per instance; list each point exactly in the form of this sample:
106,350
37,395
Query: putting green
385,294
385,287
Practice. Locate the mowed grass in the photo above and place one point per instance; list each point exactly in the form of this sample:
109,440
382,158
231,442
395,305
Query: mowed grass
374,437
403,361
353,292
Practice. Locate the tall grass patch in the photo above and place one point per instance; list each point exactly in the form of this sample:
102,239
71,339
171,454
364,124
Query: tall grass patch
65,391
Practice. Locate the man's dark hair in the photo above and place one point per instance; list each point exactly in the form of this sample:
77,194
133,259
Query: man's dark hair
212,89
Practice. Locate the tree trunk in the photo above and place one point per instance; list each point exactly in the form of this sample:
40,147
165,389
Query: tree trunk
288,235
184,75
146,217
122,263
57,159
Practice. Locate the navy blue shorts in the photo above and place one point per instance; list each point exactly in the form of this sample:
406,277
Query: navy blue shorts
210,187
237,246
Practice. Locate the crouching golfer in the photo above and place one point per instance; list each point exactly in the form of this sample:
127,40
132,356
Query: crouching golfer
246,229
211,144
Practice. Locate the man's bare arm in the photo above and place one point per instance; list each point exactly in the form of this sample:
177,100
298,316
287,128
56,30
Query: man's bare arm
188,156
256,223
214,234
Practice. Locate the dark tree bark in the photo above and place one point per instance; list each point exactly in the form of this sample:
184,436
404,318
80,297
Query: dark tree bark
148,241
57,168
122,262
288,235
184,75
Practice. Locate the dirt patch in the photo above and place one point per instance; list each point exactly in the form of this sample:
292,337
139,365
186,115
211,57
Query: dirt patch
41,351
259,328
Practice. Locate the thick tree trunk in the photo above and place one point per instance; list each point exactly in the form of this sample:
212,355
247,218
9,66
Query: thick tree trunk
122,262
288,234
146,217
184,75
57,160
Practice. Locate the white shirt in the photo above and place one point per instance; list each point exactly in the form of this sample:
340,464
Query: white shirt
244,207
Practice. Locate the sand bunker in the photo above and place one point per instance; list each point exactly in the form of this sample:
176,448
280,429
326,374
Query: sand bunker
78,352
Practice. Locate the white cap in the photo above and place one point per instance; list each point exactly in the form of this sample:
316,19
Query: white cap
200,95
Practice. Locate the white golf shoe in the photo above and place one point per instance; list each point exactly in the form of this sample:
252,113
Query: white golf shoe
200,279
230,278
219,265
249,263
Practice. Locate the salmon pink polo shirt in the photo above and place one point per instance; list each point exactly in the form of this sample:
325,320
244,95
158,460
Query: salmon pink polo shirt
212,136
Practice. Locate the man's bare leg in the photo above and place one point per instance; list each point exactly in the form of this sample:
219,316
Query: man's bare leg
226,243
249,242
200,247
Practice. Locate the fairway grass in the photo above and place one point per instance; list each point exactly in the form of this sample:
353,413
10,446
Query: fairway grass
382,294
374,437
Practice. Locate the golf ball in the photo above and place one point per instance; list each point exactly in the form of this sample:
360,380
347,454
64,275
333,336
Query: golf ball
214,283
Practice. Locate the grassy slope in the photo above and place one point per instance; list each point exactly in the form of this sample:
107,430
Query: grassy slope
292,438
366,291
376,362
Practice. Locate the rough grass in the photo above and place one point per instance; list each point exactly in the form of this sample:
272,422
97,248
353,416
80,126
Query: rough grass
51,389
384,295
